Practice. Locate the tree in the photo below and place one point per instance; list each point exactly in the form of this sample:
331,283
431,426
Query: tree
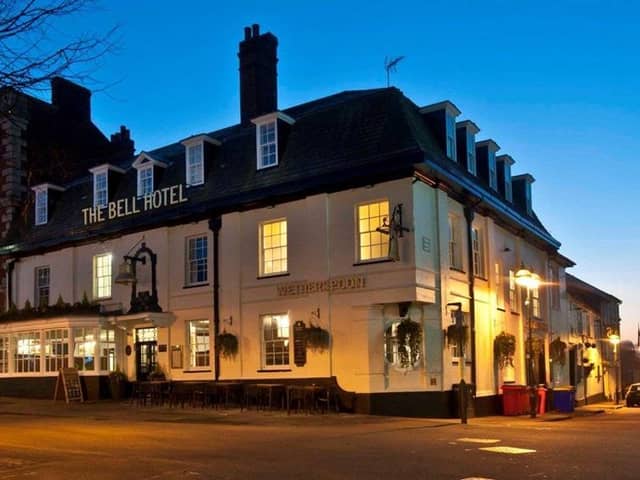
33,50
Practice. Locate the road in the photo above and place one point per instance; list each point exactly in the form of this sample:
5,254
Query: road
118,442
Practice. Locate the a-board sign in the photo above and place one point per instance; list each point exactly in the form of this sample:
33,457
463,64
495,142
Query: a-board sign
68,382
299,343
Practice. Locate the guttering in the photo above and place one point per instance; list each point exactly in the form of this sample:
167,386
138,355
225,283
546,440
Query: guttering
215,224
491,202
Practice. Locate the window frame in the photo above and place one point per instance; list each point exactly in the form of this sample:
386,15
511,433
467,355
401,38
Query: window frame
472,166
5,353
456,261
189,164
82,354
260,144
42,206
194,354
450,136
142,170
38,288
53,360
278,242
98,279
361,234
478,250
98,191
285,353
514,306
31,361
191,262
108,340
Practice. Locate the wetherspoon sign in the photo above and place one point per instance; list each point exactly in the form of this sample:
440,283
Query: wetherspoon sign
130,206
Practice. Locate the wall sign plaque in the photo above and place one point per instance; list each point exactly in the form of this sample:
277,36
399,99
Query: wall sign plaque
350,282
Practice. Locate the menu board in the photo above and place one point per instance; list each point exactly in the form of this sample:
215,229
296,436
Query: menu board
69,382
299,343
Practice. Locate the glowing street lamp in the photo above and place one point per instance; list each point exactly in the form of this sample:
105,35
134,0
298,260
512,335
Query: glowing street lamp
614,339
529,280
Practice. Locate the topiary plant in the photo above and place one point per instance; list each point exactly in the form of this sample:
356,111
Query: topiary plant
504,347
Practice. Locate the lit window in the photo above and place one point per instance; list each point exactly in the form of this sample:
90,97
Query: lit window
195,165
27,352
392,347
4,354
478,253
535,302
513,293
273,247
56,349
102,275
372,243
100,189
145,180
267,145
198,343
42,207
42,277
197,255
84,348
275,340
455,246
108,350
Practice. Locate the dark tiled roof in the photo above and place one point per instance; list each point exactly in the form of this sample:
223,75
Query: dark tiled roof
349,139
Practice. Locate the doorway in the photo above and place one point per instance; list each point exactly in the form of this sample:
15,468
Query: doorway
146,352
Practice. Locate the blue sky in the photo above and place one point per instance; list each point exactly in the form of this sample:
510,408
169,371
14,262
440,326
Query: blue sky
555,84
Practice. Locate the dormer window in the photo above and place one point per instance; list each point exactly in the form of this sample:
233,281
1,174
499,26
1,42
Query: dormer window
147,168
101,183
267,138
42,206
145,180
441,117
43,201
195,165
198,150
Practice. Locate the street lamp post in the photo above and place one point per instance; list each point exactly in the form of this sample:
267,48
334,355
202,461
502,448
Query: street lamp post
529,280
614,339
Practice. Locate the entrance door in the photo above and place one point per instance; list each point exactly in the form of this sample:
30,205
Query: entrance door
146,352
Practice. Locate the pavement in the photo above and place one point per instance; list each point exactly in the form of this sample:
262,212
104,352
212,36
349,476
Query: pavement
126,412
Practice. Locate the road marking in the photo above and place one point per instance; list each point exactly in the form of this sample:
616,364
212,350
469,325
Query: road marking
478,440
477,478
509,450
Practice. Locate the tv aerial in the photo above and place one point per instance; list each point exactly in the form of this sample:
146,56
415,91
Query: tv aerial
390,65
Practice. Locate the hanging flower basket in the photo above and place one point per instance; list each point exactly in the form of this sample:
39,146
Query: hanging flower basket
409,337
227,344
457,335
317,338
504,348
557,350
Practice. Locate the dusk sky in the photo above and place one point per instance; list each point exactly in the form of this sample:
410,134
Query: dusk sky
555,84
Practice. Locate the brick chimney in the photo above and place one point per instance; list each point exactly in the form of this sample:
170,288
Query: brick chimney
122,141
73,101
258,74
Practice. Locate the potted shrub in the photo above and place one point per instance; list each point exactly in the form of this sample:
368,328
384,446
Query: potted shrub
227,344
457,335
157,374
317,338
504,347
409,337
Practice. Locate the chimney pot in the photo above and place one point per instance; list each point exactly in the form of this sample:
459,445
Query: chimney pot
247,33
256,30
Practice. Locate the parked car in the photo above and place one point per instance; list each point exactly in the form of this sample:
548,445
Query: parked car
633,395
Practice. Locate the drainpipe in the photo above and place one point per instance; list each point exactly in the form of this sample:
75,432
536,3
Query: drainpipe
215,224
10,267
468,215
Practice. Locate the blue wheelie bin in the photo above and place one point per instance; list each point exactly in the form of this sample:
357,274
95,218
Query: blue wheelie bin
564,399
